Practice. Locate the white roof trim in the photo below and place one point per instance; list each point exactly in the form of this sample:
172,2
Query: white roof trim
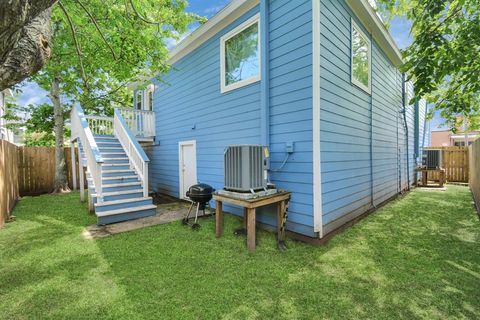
226,16
8,93
237,8
375,26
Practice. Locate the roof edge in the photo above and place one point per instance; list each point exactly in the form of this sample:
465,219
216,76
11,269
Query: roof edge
222,19
375,26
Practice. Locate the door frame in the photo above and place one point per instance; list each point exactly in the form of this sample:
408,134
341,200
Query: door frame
181,144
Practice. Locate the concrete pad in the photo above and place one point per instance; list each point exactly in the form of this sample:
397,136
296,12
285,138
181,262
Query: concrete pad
166,213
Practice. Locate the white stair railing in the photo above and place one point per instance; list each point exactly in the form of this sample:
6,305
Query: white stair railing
137,157
100,125
81,130
141,122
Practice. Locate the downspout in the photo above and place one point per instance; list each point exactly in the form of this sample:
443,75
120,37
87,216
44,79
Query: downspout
372,187
265,73
424,126
404,111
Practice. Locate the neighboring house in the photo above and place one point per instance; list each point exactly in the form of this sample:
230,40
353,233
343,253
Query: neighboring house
319,76
446,138
5,134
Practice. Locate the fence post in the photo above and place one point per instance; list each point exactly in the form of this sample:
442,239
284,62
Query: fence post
82,181
74,167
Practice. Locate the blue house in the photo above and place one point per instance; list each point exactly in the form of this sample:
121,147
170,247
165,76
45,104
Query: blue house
318,76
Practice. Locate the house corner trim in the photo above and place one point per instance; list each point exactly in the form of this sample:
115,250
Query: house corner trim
317,171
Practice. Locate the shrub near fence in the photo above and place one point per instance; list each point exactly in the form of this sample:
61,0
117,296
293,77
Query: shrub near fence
474,152
9,191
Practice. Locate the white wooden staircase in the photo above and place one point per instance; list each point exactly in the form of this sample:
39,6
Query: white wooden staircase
117,166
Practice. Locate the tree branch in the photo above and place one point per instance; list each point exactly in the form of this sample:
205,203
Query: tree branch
75,40
98,28
141,17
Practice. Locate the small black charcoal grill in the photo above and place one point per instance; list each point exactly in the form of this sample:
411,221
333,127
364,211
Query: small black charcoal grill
200,194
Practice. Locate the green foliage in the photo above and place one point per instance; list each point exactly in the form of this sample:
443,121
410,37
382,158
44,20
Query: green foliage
100,46
444,59
416,258
37,121
39,139
360,58
242,55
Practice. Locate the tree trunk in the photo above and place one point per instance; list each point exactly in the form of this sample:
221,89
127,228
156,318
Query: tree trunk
25,37
61,182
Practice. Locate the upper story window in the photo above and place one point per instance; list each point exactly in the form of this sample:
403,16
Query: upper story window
361,58
139,100
240,55
150,100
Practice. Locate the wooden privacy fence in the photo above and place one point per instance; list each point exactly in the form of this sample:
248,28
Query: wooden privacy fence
8,179
36,169
455,162
474,157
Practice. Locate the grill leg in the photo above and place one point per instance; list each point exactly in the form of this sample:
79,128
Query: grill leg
196,213
189,211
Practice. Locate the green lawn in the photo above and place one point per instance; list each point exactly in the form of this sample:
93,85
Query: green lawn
415,258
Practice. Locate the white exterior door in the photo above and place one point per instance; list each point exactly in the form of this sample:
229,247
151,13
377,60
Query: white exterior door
187,166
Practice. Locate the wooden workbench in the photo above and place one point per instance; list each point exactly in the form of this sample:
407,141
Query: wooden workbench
281,199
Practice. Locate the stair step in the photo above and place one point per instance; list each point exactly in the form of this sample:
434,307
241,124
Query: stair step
122,186
123,161
119,177
107,203
126,210
108,150
107,141
110,181
116,166
112,173
115,193
113,154
102,145
122,204
125,215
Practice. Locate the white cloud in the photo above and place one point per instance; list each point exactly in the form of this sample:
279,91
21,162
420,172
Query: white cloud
210,11
172,43
32,94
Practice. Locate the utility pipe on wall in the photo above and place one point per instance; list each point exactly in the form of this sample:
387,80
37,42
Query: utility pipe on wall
265,72
404,111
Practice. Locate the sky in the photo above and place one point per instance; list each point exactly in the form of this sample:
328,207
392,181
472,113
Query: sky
400,30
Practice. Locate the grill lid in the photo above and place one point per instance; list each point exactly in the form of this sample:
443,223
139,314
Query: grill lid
200,189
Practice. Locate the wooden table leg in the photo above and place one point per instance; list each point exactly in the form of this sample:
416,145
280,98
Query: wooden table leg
245,218
218,219
442,178
280,221
251,217
281,217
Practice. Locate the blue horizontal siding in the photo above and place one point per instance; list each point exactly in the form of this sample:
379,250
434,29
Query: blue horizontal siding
291,106
360,133
189,97
189,106
363,144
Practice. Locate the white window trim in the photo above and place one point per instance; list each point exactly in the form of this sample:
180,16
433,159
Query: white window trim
359,84
150,89
139,93
223,87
